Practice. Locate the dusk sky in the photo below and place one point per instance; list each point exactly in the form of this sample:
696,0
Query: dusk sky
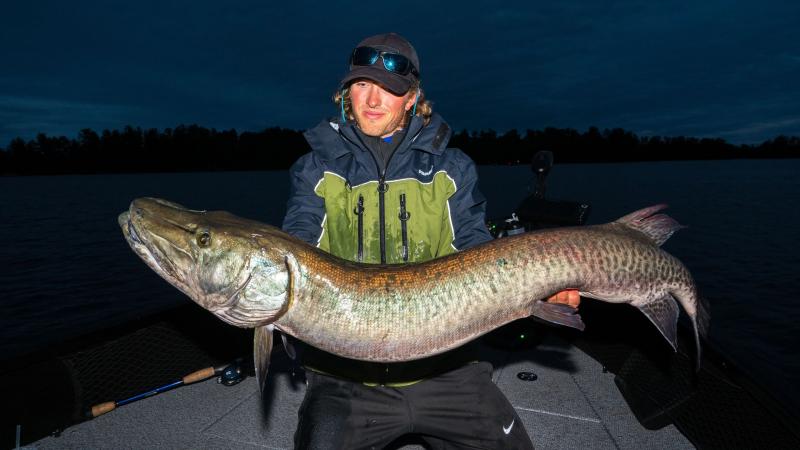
712,68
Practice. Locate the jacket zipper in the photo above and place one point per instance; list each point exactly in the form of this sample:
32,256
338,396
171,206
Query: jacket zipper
382,188
404,216
359,210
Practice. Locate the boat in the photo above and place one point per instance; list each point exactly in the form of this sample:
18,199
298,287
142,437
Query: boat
615,385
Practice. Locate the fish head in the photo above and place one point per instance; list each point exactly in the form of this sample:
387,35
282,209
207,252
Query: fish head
211,256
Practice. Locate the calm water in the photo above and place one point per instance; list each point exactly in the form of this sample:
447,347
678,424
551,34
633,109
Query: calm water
66,269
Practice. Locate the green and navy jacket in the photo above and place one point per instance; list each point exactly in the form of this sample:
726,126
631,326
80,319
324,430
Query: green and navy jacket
425,205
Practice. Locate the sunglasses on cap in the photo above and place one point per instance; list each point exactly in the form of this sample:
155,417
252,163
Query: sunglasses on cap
393,62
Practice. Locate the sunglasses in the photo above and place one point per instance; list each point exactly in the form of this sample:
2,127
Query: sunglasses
393,62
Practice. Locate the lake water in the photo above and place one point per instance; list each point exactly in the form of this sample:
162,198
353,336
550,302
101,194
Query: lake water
66,269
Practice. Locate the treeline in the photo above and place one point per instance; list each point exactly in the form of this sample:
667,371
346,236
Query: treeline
195,148
180,149
611,145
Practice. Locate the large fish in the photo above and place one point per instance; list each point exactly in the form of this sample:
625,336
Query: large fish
250,274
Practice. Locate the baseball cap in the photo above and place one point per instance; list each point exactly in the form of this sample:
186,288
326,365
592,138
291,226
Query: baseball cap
392,45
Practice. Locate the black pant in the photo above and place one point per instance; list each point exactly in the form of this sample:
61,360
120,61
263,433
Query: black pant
460,409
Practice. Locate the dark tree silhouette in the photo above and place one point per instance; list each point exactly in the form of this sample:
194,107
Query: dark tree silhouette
195,148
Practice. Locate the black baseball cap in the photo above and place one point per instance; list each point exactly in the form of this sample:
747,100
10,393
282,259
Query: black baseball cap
391,43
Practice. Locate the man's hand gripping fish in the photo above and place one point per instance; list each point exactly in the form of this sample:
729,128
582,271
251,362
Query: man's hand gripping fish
250,274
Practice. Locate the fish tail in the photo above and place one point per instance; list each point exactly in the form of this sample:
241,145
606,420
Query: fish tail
656,227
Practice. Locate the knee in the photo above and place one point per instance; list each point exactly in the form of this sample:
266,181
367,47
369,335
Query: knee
321,423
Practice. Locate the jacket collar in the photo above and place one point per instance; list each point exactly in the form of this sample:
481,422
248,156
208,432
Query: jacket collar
326,138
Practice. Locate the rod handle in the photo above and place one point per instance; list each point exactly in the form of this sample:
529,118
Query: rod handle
102,408
200,375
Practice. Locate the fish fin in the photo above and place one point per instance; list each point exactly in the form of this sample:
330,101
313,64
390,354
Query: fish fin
262,348
703,316
558,313
592,295
663,312
288,346
701,322
656,227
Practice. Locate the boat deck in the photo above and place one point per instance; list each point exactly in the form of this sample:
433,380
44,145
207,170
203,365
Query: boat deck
572,404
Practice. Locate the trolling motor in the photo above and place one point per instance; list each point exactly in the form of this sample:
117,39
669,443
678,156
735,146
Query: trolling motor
536,212
541,163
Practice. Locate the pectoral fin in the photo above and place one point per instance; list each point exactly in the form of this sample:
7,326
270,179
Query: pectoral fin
558,313
663,312
262,348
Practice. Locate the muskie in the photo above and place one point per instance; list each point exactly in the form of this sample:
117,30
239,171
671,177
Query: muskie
250,274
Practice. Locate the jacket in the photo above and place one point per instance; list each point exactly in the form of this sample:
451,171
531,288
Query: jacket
424,205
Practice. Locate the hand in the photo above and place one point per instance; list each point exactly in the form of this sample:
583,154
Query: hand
569,297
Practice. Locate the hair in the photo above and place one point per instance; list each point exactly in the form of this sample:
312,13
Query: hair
424,106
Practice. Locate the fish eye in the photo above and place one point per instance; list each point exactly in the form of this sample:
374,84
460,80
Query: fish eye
203,239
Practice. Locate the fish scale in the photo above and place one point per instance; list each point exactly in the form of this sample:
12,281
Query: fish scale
254,275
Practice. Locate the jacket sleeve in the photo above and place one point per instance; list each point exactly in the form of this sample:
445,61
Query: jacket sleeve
305,210
468,206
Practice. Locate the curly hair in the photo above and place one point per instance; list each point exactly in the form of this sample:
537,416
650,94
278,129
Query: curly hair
424,106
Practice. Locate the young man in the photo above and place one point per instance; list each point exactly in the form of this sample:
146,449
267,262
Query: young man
381,186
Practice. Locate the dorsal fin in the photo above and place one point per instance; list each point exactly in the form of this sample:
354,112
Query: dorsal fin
657,227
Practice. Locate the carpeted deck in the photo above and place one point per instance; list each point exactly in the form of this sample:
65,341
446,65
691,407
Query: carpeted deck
572,404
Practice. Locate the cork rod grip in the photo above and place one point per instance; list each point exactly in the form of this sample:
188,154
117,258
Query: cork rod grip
200,375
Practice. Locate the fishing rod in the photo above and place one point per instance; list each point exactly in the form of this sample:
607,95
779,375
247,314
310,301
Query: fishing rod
229,374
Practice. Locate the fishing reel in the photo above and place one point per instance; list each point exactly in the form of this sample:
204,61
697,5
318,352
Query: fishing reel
231,374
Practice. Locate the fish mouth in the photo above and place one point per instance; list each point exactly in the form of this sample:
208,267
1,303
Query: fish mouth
129,230
149,252
163,235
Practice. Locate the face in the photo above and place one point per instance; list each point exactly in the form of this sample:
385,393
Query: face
377,111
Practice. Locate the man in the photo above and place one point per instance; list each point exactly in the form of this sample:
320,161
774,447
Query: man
381,186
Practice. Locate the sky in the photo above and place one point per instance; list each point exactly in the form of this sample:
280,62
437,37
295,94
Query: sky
712,68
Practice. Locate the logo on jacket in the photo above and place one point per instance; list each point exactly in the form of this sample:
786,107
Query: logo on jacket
425,174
